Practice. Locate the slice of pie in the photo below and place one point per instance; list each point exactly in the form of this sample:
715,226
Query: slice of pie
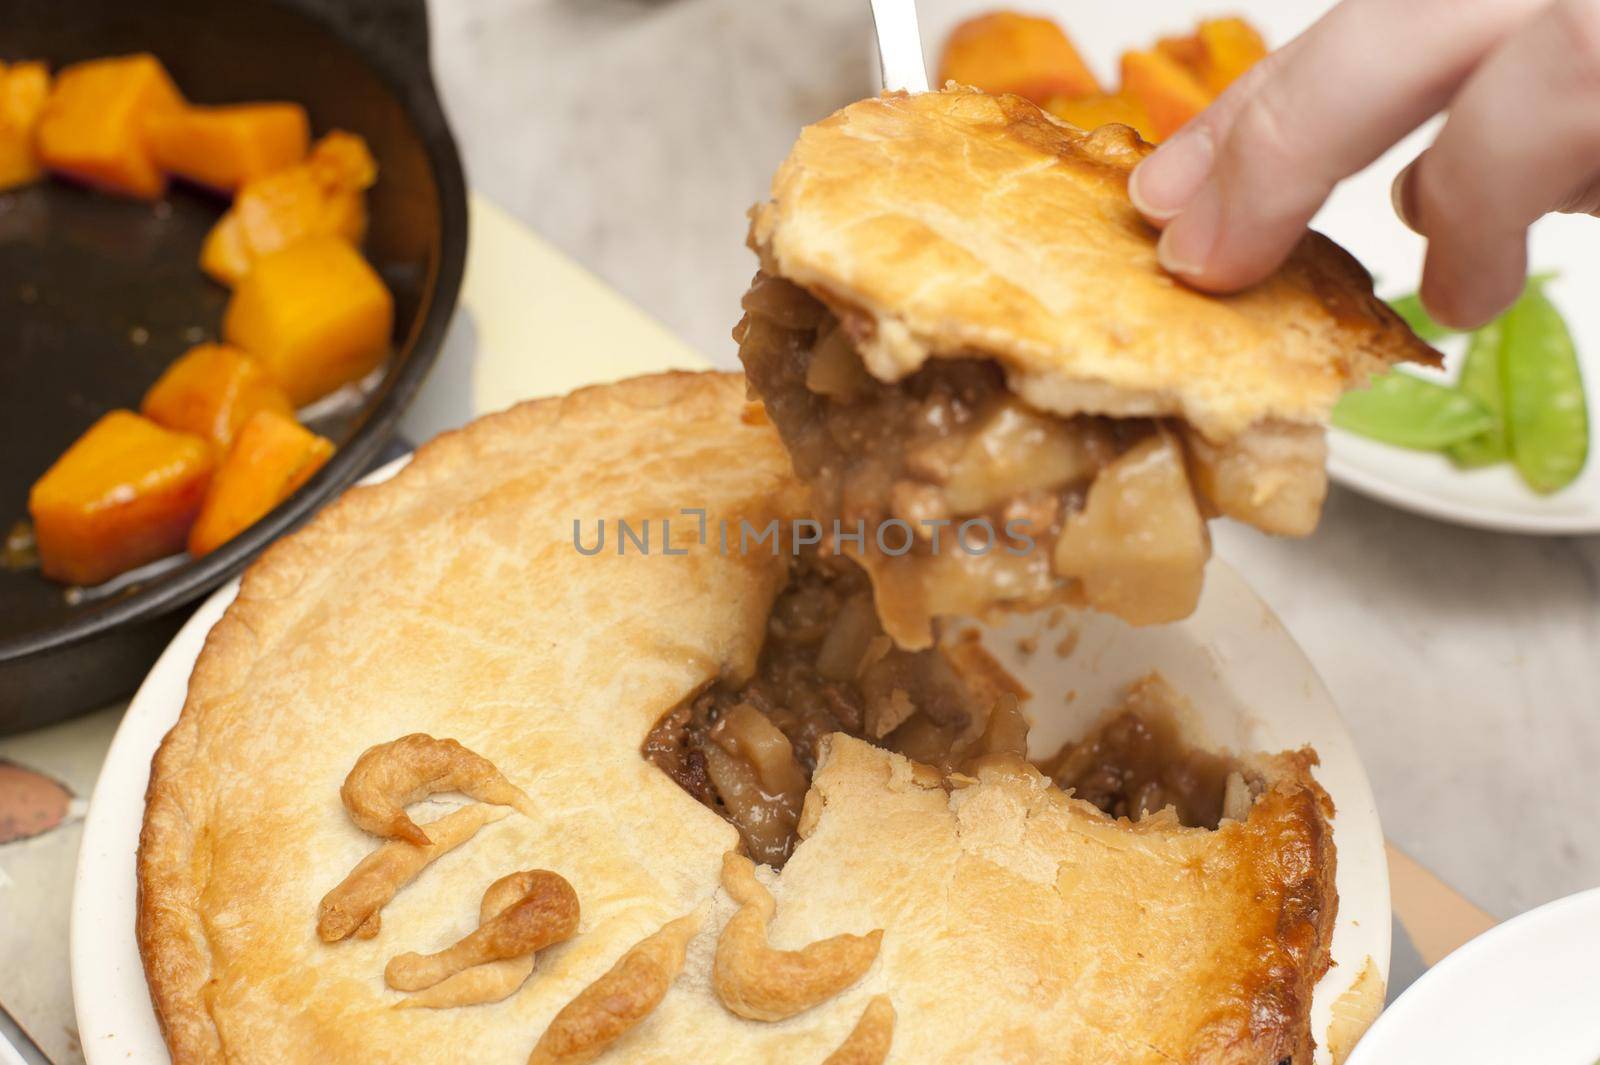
962,333
631,726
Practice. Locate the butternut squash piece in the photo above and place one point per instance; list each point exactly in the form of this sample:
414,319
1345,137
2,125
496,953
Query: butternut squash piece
92,126
125,493
1230,47
1091,112
1187,51
1008,52
225,147
273,456
322,196
315,315
211,390
1171,94
24,87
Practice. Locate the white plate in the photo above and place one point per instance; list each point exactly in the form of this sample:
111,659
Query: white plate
1250,683
1525,990
1494,497
1359,217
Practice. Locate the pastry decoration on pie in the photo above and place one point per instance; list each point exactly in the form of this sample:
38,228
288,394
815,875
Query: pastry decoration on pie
521,914
926,895
961,331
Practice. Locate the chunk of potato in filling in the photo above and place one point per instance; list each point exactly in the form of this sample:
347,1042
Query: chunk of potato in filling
1139,545
1273,477
1012,450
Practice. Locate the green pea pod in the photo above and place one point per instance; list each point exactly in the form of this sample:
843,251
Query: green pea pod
1407,411
1480,379
1547,418
1410,308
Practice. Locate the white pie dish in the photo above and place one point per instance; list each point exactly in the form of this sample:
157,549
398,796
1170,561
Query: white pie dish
1250,684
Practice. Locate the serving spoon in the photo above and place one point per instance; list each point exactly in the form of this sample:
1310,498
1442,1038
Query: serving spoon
899,46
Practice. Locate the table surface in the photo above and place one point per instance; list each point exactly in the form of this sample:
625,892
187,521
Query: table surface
1467,663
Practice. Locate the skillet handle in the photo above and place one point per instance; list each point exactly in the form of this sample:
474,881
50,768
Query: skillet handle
391,34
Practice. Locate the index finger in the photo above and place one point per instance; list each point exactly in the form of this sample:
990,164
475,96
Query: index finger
1358,80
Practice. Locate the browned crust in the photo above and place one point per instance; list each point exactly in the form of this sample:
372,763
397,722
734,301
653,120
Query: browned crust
1336,277
1251,997
171,862
1289,860
1297,865
758,982
619,1000
865,230
172,943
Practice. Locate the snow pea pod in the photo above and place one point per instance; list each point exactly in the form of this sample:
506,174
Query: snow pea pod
1547,418
1407,411
1410,308
1480,379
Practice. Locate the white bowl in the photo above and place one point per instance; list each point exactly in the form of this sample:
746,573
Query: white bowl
1525,990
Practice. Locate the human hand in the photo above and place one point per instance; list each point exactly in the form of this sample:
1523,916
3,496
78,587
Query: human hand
1520,79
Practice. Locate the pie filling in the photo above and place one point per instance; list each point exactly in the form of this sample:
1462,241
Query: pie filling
747,748
960,498
1136,762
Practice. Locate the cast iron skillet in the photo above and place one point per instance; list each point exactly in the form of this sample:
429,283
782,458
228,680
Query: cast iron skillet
97,295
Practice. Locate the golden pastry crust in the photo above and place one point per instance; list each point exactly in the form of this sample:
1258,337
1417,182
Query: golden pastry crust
391,776
757,981
869,1041
451,600
956,223
623,996
1017,924
543,909
1065,935
355,906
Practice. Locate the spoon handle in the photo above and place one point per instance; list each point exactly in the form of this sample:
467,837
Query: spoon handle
899,45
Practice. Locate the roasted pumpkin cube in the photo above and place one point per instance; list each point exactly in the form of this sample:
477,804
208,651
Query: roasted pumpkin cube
24,87
315,315
322,196
1229,46
92,128
272,457
224,147
1022,54
124,494
1188,52
1091,112
211,390
1166,90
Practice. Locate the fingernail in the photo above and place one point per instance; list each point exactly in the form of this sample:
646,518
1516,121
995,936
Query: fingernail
1186,245
1162,186
1402,195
